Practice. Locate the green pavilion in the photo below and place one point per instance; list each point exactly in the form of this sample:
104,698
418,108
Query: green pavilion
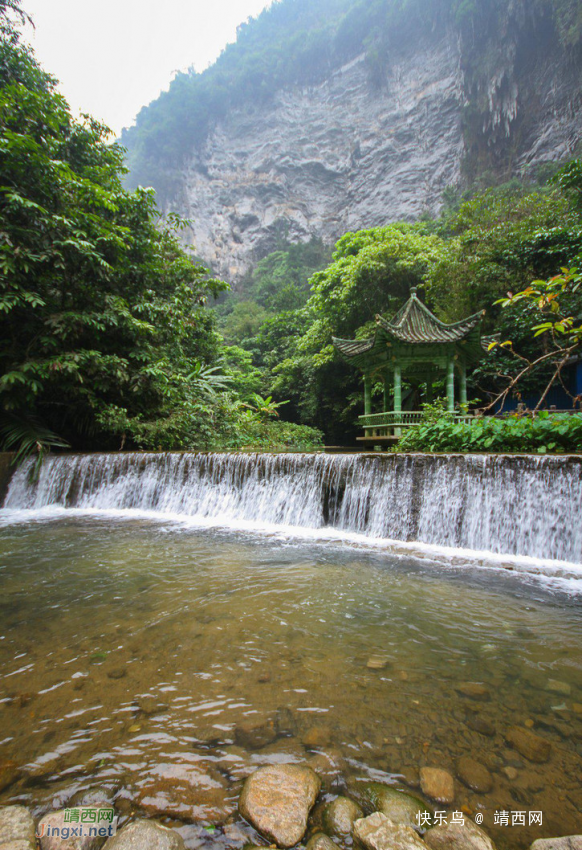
418,348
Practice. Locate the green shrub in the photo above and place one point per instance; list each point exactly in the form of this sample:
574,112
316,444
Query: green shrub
548,433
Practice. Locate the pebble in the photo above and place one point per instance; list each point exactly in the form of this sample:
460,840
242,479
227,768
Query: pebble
473,690
317,736
377,832
465,836
255,734
277,800
568,842
17,824
338,817
557,687
529,745
481,725
56,821
377,662
117,673
511,773
8,773
142,834
319,841
474,775
438,784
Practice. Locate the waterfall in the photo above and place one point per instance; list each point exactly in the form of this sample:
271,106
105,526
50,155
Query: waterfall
508,505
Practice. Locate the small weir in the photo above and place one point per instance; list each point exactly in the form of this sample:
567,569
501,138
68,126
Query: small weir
507,505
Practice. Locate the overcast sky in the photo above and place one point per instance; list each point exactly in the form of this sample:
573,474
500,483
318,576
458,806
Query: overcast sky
114,56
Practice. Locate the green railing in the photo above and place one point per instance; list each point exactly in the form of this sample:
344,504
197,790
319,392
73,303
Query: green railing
389,425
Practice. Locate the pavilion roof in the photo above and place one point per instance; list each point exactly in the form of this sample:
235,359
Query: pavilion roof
414,324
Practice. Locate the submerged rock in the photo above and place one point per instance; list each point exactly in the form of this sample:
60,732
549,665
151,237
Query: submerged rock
568,842
438,784
557,687
17,825
255,734
481,725
453,836
317,736
329,764
188,792
528,744
277,801
8,773
378,832
145,835
473,690
319,841
474,775
398,806
339,816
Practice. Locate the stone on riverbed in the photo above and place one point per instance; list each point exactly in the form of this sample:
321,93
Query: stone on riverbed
473,690
529,745
457,836
319,841
438,784
398,806
17,825
8,773
339,816
474,775
277,800
377,832
568,842
185,791
145,835
55,823
255,734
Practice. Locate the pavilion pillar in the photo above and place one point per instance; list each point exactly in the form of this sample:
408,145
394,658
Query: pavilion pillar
463,385
367,395
451,385
428,397
386,398
397,388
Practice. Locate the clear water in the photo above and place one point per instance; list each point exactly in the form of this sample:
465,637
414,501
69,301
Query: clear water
133,652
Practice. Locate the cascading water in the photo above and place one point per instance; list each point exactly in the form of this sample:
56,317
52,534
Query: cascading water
501,504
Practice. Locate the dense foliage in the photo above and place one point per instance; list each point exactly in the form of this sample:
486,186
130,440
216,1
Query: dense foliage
547,432
299,42
106,338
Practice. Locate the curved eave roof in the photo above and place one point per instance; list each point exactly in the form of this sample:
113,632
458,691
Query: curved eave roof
415,323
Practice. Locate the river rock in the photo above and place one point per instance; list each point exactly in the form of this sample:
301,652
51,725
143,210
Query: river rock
56,821
398,806
528,744
438,784
474,775
317,736
17,825
145,835
8,773
568,842
255,734
277,801
481,725
378,832
377,662
319,841
338,817
185,791
473,690
453,836
329,765
557,687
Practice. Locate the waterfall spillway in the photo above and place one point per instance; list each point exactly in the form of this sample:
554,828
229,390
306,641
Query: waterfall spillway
501,504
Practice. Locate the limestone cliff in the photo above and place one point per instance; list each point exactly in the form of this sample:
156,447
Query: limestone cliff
452,105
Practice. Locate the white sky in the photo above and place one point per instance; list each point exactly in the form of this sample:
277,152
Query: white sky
114,56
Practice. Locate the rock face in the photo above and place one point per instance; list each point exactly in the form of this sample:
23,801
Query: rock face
17,827
377,832
144,834
528,744
343,154
277,801
467,836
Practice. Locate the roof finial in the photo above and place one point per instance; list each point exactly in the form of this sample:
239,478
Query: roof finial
413,291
